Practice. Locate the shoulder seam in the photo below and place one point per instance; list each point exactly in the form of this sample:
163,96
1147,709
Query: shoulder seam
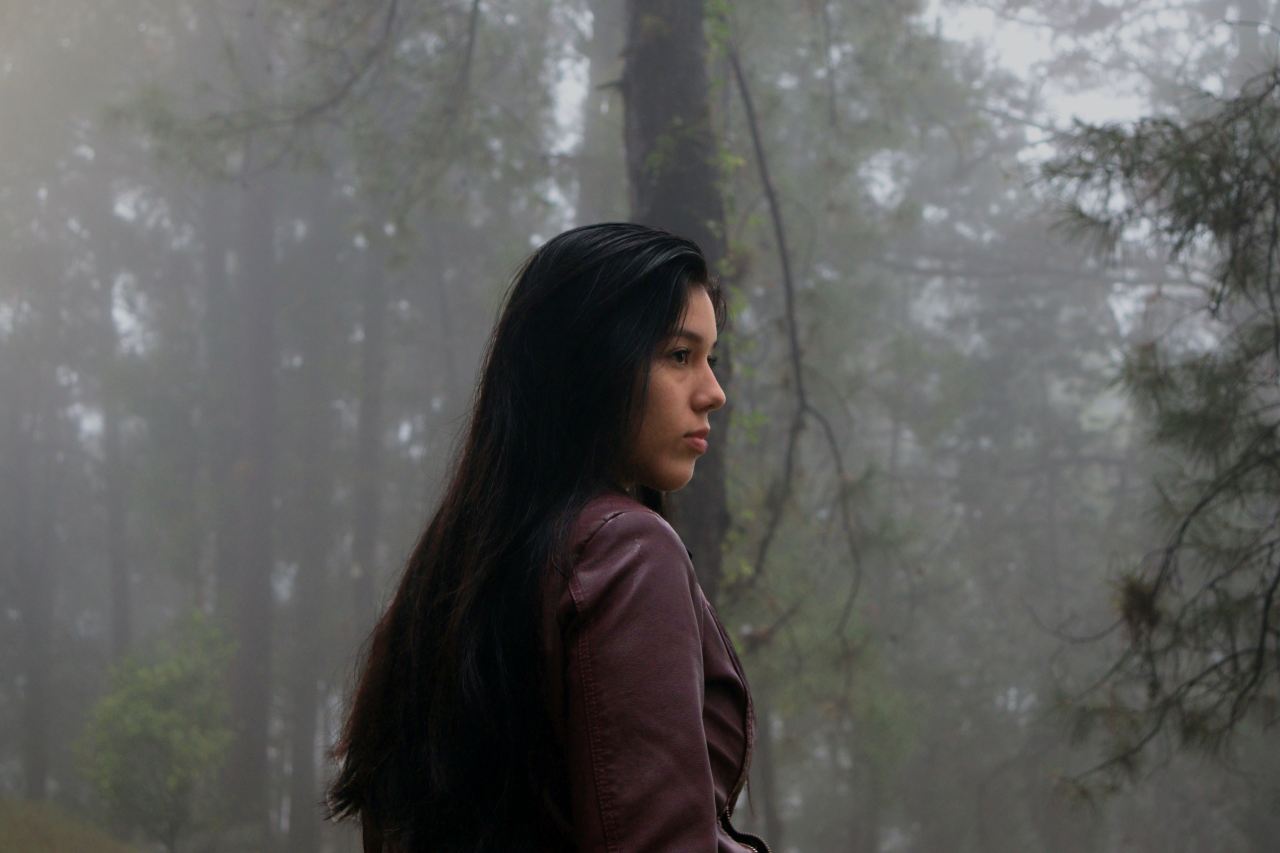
610,516
579,549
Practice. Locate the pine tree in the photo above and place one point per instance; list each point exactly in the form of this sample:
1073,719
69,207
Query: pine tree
1199,618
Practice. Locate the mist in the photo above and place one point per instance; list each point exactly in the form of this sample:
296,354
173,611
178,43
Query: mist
991,517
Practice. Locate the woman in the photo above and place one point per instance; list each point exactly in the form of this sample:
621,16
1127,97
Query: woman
548,675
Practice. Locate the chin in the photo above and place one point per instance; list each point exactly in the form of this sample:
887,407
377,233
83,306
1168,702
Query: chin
671,481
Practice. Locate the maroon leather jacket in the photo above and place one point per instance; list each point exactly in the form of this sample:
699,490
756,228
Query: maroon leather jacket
648,698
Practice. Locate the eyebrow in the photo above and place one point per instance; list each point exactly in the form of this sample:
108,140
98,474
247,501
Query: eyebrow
694,336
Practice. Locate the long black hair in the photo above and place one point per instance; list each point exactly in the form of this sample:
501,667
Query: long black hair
448,745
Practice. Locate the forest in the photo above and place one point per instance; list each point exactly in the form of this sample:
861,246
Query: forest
994,521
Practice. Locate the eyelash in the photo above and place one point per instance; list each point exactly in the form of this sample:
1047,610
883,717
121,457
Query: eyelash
711,359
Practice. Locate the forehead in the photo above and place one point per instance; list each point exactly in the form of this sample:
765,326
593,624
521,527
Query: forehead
698,319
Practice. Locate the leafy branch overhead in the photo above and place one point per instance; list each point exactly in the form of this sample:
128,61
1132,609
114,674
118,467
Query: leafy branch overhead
1202,645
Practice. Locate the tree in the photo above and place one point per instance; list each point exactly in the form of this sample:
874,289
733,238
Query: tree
394,156
672,154
155,741
1200,616
953,349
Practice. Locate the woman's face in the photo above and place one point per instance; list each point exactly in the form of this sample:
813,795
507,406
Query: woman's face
683,391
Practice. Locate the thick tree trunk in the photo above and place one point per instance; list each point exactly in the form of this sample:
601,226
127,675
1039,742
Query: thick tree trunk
112,243
602,189
220,431
671,155
864,830
317,331
764,768
38,582
29,518
180,309
111,239
255,486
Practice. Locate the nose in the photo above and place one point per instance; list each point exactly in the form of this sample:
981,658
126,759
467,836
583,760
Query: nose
710,396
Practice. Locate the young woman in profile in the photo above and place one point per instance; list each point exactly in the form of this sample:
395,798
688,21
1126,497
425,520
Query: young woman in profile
549,675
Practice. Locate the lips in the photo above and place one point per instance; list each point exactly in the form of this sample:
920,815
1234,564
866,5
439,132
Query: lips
697,439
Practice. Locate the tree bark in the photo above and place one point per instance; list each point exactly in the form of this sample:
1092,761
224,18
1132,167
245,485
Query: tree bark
255,487
317,330
110,249
602,190
220,428
373,369
28,466
764,767
671,153
115,504
38,589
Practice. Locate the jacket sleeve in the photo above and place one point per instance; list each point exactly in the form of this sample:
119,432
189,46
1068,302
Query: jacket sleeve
640,777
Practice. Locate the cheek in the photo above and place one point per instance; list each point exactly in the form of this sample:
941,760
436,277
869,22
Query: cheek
662,409
659,427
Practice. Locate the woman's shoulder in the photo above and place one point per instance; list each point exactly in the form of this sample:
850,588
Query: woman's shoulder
618,541
611,514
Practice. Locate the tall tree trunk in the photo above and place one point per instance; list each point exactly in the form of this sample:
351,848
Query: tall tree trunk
255,486
671,153
29,518
220,431
111,240
864,829
602,190
373,357
221,427
115,504
764,767
39,586
185,445
318,329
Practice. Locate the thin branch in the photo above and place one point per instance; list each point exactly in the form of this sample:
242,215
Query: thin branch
775,215
1060,632
339,94
1221,484
824,15
464,73
1259,658
781,491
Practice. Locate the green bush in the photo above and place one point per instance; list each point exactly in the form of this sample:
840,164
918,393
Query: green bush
156,741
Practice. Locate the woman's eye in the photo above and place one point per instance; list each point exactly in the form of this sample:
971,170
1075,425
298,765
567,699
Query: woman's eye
713,360
681,356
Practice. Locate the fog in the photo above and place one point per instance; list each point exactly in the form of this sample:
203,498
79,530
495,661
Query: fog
991,517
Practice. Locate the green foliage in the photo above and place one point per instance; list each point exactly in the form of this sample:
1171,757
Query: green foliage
719,33
177,143
1189,181
1201,613
155,742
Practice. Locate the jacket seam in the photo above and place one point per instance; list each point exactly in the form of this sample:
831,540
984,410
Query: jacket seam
597,745
748,713
598,748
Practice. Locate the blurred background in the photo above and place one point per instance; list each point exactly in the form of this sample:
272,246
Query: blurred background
993,512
